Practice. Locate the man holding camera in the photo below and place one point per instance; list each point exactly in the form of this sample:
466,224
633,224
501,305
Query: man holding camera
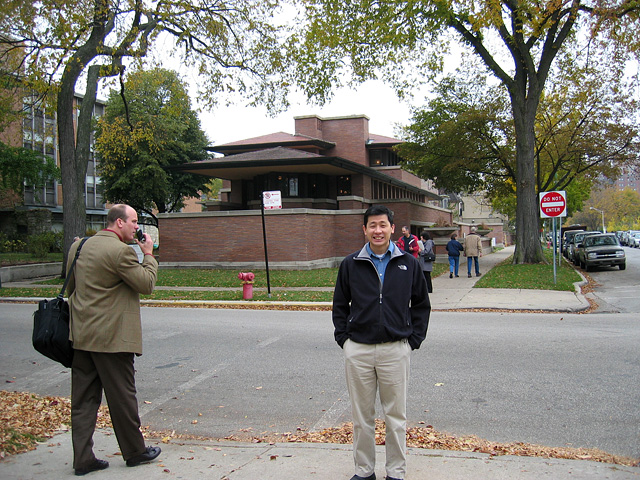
106,331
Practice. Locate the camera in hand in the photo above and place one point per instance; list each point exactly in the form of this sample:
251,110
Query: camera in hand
140,235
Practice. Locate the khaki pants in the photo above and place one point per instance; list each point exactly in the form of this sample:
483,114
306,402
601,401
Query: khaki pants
385,368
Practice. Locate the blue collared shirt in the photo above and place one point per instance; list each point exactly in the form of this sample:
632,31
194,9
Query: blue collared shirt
381,261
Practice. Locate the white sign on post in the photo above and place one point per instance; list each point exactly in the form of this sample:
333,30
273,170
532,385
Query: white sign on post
272,200
553,204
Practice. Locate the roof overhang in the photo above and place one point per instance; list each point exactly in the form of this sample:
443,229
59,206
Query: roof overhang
235,149
230,168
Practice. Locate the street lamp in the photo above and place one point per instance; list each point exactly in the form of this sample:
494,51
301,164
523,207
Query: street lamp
604,230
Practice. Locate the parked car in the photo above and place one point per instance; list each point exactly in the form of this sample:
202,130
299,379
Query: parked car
623,237
601,250
577,240
634,240
627,237
566,241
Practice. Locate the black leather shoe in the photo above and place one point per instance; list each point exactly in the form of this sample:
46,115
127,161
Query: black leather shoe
370,477
392,478
96,465
150,454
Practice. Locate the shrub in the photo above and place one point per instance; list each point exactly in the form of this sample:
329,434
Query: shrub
58,243
40,245
12,246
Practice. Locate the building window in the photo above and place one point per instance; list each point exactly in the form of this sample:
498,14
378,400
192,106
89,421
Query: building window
289,184
344,185
96,222
317,186
384,191
383,158
293,186
39,134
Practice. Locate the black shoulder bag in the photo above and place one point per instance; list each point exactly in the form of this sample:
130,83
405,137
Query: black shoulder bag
51,324
429,256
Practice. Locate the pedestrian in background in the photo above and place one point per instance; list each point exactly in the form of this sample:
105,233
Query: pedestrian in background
427,249
473,250
104,299
381,312
454,247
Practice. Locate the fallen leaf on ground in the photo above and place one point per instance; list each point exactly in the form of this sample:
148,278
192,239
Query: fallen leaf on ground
26,419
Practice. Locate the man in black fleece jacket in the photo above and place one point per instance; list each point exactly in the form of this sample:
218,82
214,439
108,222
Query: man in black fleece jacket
380,313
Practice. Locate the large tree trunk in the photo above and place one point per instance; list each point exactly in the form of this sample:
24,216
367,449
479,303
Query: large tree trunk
74,149
528,246
72,171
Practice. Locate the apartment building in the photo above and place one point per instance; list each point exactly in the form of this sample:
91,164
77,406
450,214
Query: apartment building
38,132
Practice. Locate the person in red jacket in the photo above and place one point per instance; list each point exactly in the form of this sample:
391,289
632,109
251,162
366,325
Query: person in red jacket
408,242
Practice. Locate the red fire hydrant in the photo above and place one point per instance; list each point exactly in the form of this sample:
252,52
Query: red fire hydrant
247,284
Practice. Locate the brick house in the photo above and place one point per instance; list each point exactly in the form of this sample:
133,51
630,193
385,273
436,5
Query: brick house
329,172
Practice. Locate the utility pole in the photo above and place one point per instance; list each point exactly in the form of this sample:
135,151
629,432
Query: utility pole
604,229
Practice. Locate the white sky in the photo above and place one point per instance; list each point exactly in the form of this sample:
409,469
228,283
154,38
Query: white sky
373,99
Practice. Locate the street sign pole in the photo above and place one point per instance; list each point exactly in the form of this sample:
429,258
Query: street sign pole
266,254
270,200
553,220
553,205
559,241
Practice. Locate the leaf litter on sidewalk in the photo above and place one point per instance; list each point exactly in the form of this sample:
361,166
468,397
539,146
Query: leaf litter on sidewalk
27,420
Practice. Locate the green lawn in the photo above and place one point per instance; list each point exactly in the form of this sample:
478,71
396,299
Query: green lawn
7,259
323,277
188,277
534,277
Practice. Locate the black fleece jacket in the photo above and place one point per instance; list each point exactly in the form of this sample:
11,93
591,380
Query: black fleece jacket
369,312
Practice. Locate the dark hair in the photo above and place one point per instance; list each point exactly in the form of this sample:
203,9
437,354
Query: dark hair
374,210
453,236
116,212
425,235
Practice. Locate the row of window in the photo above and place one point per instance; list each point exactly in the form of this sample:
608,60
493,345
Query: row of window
384,191
298,185
40,134
383,158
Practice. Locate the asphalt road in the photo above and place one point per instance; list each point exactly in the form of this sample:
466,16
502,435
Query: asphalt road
549,379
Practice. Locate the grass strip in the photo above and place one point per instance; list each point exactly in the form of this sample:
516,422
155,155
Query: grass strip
196,295
530,276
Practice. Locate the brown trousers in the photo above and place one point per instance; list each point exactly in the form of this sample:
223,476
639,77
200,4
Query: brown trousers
91,373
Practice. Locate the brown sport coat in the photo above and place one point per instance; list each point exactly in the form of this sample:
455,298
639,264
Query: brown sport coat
473,245
104,294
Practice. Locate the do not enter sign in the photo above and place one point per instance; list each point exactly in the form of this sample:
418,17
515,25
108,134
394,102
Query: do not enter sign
553,204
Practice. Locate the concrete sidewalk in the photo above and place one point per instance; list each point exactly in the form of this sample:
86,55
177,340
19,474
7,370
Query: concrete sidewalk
294,461
458,293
